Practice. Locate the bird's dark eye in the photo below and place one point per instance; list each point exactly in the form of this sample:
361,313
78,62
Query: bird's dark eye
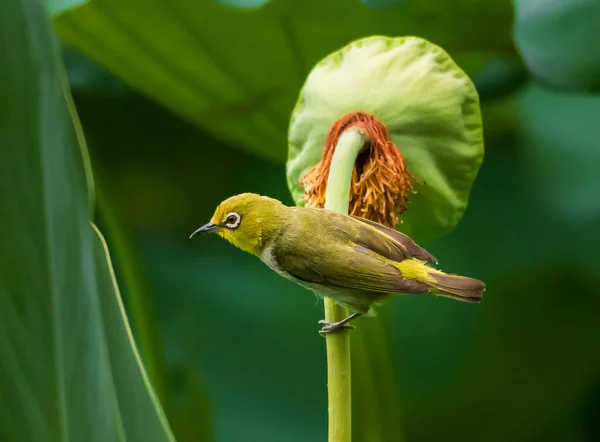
232,220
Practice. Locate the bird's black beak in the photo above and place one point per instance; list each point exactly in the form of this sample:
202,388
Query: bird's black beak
206,228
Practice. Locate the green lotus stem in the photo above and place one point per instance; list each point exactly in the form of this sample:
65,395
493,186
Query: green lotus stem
349,145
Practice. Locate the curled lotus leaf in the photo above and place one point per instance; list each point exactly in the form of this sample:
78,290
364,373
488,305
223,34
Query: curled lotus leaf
428,104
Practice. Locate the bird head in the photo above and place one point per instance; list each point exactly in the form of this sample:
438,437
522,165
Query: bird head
248,221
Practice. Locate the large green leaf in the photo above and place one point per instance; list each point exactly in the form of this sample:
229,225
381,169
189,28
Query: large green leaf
559,41
136,406
236,72
429,106
69,369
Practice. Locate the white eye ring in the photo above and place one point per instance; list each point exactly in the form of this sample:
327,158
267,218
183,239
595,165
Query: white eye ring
234,222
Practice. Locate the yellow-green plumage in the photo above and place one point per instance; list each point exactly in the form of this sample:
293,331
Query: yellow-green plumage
354,261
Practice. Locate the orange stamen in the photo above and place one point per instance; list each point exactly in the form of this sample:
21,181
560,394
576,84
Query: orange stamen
380,181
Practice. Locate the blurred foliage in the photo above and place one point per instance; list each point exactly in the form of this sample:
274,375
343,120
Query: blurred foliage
559,41
69,367
85,75
60,6
562,150
241,354
236,72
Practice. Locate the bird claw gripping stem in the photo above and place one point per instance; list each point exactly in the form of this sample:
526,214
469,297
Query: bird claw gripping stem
333,327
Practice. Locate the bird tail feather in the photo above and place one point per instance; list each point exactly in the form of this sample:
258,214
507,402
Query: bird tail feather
461,288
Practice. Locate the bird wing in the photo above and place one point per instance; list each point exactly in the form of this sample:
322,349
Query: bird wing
321,258
387,242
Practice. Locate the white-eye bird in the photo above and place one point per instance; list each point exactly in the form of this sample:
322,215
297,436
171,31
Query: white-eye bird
354,261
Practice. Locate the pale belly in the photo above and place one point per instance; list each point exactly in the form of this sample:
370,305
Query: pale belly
354,300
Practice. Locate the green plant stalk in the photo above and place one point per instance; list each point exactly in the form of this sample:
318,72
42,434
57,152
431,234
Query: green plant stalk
349,145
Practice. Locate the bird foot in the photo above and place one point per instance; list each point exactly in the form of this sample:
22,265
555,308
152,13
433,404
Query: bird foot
333,327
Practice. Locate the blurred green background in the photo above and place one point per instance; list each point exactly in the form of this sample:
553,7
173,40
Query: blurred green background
184,103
